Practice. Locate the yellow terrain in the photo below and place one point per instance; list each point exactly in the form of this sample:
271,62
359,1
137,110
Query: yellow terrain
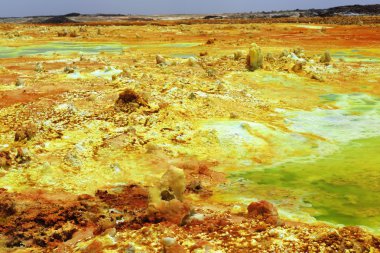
95,121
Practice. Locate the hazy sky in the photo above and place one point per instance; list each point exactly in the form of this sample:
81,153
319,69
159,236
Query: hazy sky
10,8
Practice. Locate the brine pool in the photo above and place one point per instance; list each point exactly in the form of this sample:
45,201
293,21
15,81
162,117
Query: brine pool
334,178
80,47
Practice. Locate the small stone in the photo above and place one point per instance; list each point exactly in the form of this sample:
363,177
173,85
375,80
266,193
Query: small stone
130,249
26,132
298,52
20,82
297,67
211,72
210,41
270,58
326,57
62,33
160,59
234,115
66,108
238,55
317,77
39,67
192,95
237,209
194,186
192,61
171,246
197,217
169,241
284,53
68,70
273,233
23,155
5,159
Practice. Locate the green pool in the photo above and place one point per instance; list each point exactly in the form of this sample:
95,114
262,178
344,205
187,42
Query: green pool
341,188
61,48
338,183
79,47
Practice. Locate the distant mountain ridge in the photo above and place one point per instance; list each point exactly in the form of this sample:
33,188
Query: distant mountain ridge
75,17
347,10
373,9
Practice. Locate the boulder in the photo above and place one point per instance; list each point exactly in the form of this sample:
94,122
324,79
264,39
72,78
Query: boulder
26,132
254,58
174,181
160,60
326,57
264,211
129,101
5,159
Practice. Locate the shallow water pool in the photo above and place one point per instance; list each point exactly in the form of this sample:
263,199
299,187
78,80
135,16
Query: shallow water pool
339,182
80,47
61,48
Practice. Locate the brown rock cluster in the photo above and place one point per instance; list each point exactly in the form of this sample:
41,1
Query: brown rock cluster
26,132
129,100
265,211
5,159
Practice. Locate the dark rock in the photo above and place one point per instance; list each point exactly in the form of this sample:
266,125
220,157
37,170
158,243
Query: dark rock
194,186
73,14
5,159
58,20
22,156
166,195
129,101
210,41
26,132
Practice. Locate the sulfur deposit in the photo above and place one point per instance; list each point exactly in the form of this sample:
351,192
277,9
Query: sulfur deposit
194,135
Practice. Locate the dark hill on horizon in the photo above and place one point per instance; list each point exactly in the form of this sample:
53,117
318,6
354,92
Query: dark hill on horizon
75,17
57,20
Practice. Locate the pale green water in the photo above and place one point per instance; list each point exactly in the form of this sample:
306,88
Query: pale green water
356,55
342,188
339,182
60,47
79,47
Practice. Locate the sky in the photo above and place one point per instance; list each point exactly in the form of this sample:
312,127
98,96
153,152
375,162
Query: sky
19,8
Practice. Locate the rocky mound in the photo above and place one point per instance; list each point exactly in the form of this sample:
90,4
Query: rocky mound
73,14
353,9
57,20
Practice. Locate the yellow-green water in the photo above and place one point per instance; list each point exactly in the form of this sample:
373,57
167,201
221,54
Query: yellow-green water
338,182
342,188
79,47
60,47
